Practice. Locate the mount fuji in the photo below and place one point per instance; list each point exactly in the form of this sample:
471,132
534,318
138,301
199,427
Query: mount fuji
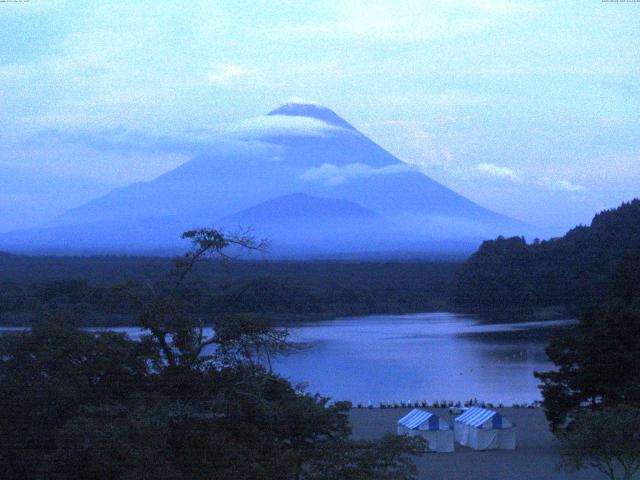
301,176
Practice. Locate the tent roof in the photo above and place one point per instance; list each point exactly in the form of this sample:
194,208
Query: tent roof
415,418
476,416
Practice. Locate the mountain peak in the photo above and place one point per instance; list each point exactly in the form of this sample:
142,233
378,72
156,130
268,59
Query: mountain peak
311,110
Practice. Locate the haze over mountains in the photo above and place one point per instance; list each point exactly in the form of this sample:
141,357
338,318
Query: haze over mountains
301,176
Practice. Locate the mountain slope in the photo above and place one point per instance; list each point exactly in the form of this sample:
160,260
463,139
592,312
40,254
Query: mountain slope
295,149
300,223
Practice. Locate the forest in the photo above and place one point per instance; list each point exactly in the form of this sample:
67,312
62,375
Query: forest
92,287
506,277
82,405
556,276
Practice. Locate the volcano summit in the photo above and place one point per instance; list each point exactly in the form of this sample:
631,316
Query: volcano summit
301,176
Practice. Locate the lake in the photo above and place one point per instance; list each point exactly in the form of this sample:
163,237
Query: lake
424,356
427,356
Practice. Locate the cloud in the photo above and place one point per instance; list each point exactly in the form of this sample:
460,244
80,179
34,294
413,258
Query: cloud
411,142
122,141
275,125
444,98
226,74
568,186
496,171
506,173
403,22
331,174
306,101
561,185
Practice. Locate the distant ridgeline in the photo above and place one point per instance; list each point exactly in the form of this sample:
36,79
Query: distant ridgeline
552,277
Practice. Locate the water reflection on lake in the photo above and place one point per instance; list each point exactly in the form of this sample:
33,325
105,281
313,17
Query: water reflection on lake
429,356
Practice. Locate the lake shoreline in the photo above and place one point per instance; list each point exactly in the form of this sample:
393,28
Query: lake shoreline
128,320
424,357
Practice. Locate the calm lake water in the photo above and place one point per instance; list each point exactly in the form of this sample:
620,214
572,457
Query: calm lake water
426,356
429,356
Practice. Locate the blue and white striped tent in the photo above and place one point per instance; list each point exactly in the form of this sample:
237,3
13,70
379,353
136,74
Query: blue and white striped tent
477,417
433,429
419,418
483,429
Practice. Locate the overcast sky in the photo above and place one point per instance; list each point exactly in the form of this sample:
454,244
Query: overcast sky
528,108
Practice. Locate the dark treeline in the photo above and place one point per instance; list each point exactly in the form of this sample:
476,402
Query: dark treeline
593,393
282,291
178,404
560,275
598,359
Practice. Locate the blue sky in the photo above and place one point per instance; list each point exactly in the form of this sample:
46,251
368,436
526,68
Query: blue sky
528,108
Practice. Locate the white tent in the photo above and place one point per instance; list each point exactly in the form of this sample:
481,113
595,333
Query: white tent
436,432
483,429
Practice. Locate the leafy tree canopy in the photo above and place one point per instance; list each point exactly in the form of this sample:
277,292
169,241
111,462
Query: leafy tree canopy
607,440
176,405
598,361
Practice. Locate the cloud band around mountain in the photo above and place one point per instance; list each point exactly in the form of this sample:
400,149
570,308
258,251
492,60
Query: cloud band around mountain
331,174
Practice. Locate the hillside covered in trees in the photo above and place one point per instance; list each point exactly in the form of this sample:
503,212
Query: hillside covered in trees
556,276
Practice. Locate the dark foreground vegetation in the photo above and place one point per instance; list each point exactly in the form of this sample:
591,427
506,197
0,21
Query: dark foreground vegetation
175,405
92,287
592,399
555,277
